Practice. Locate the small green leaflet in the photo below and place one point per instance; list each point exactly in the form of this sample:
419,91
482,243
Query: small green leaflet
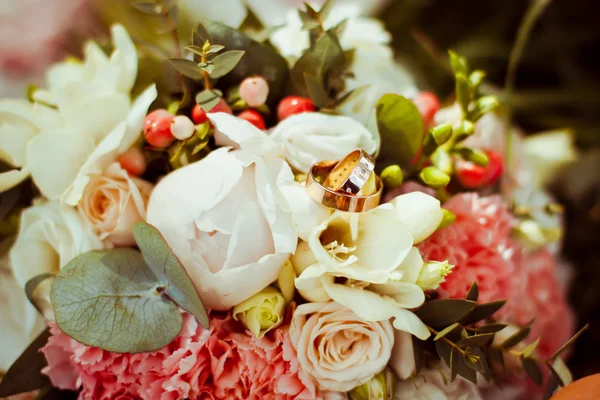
124,301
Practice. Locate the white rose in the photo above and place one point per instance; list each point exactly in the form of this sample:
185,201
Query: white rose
310,137
50,235
224,218
94,122
20,321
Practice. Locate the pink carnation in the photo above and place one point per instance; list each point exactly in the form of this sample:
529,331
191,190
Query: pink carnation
478,243
224,362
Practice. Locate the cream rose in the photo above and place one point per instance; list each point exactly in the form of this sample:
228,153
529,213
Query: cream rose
50,235
113,202
336,348
310,137
224,216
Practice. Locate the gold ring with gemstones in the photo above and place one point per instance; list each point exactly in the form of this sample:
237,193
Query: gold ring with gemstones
352,173
339,200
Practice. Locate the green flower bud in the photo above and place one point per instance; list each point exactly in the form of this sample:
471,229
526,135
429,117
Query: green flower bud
392,176
261,312
380,387
173,107
464,130
433,274
434,178
483,105
441,133
448,218
476,78
475,156
442,161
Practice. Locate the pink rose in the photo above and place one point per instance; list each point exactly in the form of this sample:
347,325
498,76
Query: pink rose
113,202
336,348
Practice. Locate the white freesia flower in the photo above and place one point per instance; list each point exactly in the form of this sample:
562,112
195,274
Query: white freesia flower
310,137
50,235
372,256
224,216
93,123
20,321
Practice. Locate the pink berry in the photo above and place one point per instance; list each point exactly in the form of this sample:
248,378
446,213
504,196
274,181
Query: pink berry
254,118
428,105
198,115
221,107
133,161
495,166
182,127
294,105
157,128
254,91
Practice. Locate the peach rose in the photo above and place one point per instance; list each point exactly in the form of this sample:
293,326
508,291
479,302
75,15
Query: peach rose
337,349
113,202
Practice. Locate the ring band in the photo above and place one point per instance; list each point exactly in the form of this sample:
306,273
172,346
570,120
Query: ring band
339,200
360,166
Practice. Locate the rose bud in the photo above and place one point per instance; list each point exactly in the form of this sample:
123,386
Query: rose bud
157,128
294,105
261,312
254,91
133,161
254,118
182,127
379,387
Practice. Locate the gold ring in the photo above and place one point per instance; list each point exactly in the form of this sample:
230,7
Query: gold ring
352,173
339,200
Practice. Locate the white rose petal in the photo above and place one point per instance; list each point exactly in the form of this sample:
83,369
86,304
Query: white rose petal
310,137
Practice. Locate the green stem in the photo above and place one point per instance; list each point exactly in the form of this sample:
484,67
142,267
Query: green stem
448,341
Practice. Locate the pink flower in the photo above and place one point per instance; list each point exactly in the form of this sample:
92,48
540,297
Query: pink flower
224,362
478,243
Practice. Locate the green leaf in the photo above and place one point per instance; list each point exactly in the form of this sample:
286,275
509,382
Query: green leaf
516,338
482,106
200,35
527,351
444,350
475,360
444,312
350,95
207,99
215,48
110,299
401,128
569,342
462,368
259,60
308,21
491,328
316,91
473,293
458,63
475,79
476,340
317,61
165,265
482,311
186,67
326,9
445,331
37,290
533,370
25,375
148,8
225,63
194,49
463,93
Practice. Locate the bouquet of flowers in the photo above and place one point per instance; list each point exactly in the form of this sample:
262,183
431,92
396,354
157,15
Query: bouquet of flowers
281,214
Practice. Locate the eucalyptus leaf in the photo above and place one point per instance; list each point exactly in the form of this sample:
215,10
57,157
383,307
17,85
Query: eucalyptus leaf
316,91
527,351
111,299
482,311
200,35
533,370
37,290
443,350
516,338
225,63
148,8
215,48
186,67
401,128
491,328
463,93
25,375
259,60
475,359
207,99
326,9
166,265
194,49
476,340
463,368
444,312
445,331
473,293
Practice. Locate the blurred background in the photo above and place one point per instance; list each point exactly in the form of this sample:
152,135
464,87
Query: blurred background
557,86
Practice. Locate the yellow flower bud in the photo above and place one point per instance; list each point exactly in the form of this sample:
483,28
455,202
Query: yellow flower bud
448,218
434,178
380,387
392,176
433,274
261,312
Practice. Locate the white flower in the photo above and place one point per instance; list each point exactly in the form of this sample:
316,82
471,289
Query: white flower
310,137
224,216
20,321
367,262
547,153
432,384
50,235
94,122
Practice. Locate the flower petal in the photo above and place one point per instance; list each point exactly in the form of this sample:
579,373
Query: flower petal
306,213
407,321
402,360
406,295
239,133
127,63
309,284
420,213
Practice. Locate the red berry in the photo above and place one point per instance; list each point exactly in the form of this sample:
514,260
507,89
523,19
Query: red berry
428,104
254,118
157,128
473,176
221,107
294,105
198,115
133,161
